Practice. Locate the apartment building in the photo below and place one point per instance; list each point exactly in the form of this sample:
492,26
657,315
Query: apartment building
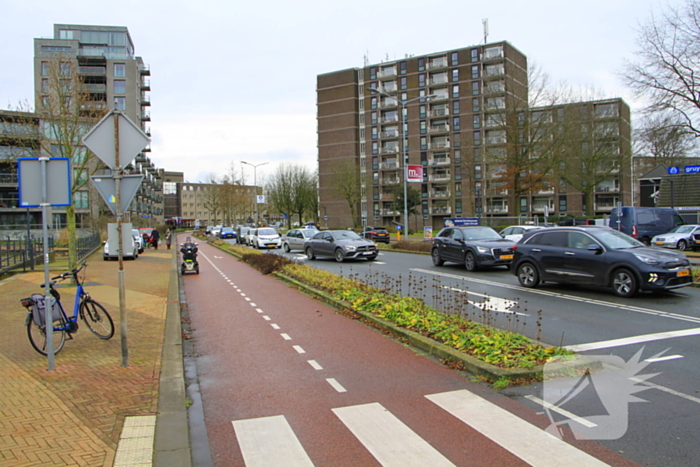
100,64
463,117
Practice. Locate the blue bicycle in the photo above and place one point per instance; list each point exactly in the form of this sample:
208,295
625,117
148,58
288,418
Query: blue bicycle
92,313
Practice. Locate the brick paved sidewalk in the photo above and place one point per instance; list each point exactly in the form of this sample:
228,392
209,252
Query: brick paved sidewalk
73,416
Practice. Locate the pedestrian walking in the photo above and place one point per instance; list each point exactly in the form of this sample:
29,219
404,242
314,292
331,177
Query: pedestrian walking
168,238
155,237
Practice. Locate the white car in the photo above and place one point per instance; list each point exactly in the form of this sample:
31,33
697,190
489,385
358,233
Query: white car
111,253
295,238
515,232
138,239
682,237
265,237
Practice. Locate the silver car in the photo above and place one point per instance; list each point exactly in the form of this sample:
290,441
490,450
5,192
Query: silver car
295,239
341,245
681,237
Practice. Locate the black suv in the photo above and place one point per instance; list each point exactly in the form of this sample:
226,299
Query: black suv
597,256
474,246
376,234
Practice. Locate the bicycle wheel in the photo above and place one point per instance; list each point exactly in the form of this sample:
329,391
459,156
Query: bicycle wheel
37,336
97,319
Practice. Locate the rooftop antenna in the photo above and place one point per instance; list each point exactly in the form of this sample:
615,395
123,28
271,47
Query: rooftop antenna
366,58
485,22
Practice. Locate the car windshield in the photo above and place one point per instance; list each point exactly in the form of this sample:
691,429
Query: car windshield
480,233
227,229
617,240
308,233
683,229
345,235
267,232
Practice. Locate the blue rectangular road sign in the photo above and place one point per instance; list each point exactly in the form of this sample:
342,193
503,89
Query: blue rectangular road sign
692,169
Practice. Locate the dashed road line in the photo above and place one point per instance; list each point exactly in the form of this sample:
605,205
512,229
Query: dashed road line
298,349
633,340
336,385
314,364
286,336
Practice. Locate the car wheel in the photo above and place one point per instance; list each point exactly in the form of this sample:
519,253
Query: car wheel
310,253
528,275
339,256
286,248
470,261
435,255
682,245
624,283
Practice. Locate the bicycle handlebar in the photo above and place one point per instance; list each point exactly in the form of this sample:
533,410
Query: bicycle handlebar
74,272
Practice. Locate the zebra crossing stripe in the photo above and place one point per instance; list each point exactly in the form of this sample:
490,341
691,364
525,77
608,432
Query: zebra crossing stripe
528,442
270,442
391,442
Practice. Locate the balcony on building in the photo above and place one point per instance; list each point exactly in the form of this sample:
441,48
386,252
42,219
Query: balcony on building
145,117
145,100
493,54
439,142
440,94
92,106
389,87
495,87
92,71
386,196
389,117
498,208
389,164
542,205
441,210
389,212
437,62
8,180
9,200
440,159
440,191
387,72
440,175
145,70
387,103
495,71
389,149
441,126
440,110
96,88
390,180
439,78
389,132
145,84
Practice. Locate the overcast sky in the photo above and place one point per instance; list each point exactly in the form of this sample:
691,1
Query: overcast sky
235,81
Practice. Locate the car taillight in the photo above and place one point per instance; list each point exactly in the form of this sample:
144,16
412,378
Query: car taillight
634,231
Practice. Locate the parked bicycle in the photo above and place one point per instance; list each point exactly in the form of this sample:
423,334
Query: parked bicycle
92,313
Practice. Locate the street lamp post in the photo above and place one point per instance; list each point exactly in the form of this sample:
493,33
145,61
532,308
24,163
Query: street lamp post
404,153
255,184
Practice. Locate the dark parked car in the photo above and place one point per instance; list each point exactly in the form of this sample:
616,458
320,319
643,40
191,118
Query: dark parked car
341,245
242,235
475,246
597,256
377,234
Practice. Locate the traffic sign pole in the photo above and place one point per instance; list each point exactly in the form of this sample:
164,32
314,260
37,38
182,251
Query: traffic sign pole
120,274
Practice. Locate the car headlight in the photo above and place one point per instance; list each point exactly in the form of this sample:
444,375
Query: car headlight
483,249
647,259
350,248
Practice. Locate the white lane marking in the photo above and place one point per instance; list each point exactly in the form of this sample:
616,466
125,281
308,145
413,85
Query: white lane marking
270,442
663,359
274,326
633,340
242,294
298,349
258,310
528,442
286,336
266,318
388,439
634,309
565,413
314,364
252,304
336,385
664,389
498,305
247,299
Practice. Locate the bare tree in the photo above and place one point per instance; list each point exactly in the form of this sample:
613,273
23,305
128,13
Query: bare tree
667,69
663,138
345,180
293,189
213,197
67,112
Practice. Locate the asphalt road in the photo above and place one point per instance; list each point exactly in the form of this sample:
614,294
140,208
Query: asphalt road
286,381
662,327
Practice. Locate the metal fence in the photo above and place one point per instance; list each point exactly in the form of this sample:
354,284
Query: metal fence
27,252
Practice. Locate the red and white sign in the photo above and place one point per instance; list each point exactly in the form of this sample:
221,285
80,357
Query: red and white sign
414,173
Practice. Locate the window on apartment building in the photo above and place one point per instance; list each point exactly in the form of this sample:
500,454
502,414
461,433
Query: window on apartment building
421,64
404,82
475,88
455,124
374,118
455,75
120,103
477,138
476,104
475,71
423,143
119,70
65,68
373,72
477,173
44,68
457,139
374,132
375,163
375,147
402,68
423,127
119,86
562,204
45,86
458,156
455,107
476,121
455,91
454,59
458,206
373,103
477,154
475,55
81,200
458,172
421,80
421,111
362,152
